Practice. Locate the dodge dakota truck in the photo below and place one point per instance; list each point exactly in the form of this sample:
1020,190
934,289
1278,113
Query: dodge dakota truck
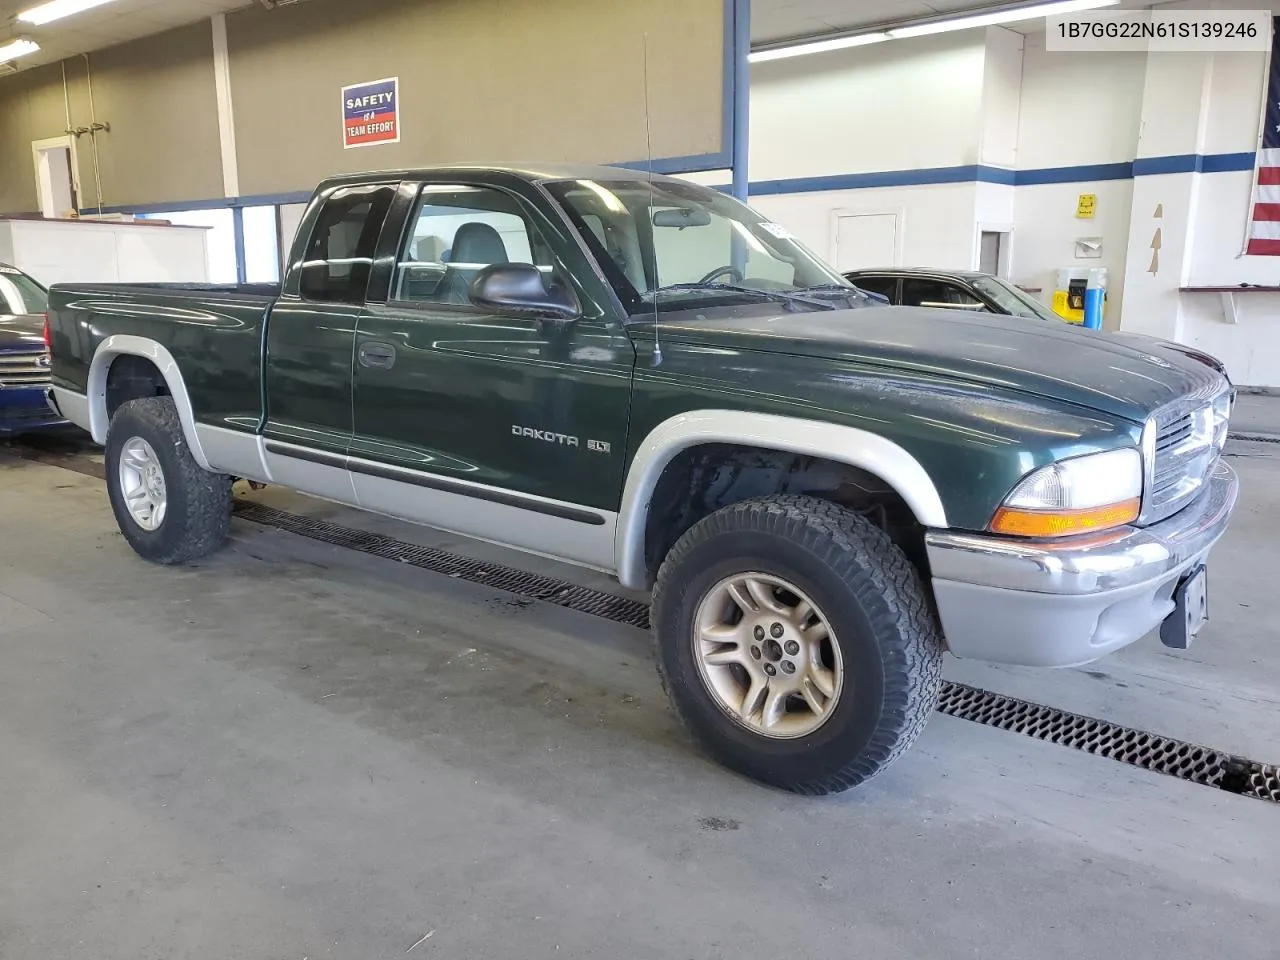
643,376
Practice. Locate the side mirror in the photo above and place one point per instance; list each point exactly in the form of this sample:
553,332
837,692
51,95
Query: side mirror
519,288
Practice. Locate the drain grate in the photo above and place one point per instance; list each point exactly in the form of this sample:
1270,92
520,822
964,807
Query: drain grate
1253,437
509,579
1176,758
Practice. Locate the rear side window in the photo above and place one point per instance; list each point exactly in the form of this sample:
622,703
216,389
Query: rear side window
339,254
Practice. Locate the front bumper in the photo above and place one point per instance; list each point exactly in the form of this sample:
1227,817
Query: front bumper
26,410
1061,604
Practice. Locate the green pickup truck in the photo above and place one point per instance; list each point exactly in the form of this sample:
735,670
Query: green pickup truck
643,376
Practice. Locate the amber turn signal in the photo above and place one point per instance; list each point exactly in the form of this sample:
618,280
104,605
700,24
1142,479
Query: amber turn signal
1064,523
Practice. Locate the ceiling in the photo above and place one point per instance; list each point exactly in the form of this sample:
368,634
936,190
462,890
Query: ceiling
103,26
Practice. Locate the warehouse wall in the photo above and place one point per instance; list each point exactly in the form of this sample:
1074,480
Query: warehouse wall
157,94
479,79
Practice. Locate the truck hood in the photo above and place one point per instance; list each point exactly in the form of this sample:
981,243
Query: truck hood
1123,375
21,332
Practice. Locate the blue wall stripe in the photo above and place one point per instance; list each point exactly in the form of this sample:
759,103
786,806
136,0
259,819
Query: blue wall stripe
1084,173
1079,174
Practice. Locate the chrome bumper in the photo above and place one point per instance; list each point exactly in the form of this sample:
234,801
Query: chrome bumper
1065,603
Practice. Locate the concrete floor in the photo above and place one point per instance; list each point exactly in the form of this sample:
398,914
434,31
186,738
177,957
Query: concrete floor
295,751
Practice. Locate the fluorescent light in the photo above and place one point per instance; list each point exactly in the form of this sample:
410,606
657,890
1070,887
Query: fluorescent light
57,9
817,46
1008,15
18,48
1000,16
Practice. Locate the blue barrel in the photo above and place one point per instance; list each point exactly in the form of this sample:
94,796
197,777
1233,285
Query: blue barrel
1093,297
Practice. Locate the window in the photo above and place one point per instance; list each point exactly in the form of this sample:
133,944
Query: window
340,253
1012,300
261,245
937,293
457,232
887,287
221,243
671,245
19,294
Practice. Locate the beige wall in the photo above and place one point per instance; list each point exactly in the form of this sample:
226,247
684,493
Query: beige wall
487,80
158,95
31,108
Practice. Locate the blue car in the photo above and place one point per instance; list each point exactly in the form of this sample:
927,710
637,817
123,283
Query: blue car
24,356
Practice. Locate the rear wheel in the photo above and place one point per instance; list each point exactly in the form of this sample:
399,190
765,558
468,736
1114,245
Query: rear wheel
796,642
168,507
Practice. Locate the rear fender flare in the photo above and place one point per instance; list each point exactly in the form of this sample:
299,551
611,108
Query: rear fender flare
831,441
127,345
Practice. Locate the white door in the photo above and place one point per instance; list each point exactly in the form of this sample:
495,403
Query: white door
55,176
867,240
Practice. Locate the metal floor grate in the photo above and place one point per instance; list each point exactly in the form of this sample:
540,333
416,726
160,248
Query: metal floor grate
1175,758
1253,437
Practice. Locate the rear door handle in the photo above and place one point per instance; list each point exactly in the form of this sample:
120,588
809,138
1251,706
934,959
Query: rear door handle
377,354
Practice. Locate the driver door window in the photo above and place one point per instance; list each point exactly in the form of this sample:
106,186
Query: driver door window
938,293
458,231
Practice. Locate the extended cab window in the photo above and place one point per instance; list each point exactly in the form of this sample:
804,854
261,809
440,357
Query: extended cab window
339,254
455,232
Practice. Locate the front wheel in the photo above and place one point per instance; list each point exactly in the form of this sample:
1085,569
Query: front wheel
168,507
796,642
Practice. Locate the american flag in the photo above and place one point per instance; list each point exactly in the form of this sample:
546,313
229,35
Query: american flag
1264,225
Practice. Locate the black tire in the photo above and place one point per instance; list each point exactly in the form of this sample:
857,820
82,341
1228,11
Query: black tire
871,596
197,516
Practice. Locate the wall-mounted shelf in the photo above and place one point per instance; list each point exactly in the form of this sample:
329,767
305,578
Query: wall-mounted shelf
1230,313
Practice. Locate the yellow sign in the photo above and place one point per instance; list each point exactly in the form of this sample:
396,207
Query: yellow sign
1086,203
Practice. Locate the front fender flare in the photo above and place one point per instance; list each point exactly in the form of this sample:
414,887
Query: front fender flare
831,441
128,345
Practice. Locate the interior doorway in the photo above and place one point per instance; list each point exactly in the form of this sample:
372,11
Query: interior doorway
56,186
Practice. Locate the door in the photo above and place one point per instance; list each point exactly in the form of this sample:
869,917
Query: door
867,240
55,176
311,339
497,426
989,251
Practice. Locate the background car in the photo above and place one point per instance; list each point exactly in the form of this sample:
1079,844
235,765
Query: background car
951,289
24,357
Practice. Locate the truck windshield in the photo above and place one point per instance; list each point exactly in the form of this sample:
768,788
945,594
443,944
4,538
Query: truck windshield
19,294
670,245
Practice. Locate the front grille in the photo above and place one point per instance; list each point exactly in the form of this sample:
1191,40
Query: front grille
1188,438
30,368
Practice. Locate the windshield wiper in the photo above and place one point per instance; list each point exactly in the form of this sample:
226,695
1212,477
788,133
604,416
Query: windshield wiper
780,296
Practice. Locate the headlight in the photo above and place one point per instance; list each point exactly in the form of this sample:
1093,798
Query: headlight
1089,493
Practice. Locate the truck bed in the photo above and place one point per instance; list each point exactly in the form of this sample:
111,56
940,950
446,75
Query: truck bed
214,332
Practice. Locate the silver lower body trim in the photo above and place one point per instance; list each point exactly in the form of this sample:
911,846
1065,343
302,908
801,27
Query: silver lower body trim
1067,603
70,406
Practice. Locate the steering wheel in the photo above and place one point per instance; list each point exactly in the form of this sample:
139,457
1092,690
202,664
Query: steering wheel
731,272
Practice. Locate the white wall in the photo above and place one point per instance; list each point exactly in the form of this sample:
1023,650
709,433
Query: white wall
899,105
936,221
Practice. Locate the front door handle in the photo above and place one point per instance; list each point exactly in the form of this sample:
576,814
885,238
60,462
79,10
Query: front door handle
377,354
